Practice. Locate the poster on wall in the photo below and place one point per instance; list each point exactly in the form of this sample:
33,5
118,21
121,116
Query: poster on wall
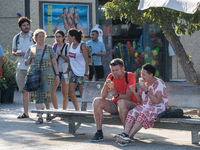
64,17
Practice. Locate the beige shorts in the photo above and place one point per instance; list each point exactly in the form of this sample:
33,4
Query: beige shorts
113,109
21,78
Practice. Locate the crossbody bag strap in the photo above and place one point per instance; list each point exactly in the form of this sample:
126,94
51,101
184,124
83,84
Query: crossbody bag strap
61,51
42,56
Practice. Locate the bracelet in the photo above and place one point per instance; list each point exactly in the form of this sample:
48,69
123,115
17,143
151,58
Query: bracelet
57,74
117,95
86,75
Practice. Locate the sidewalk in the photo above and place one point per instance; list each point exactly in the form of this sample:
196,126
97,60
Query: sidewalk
25,134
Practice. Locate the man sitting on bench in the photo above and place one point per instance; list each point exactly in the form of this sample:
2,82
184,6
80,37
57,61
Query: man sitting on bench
117,83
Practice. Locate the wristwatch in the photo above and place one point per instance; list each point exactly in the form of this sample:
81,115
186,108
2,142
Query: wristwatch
117,95
57,74
146,92
86,75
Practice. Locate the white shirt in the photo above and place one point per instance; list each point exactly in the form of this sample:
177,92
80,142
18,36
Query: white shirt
23,45
60,59
77,61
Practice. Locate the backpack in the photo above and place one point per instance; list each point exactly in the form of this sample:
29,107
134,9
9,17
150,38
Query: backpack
172,113
55,46
89,50
126,77
17,39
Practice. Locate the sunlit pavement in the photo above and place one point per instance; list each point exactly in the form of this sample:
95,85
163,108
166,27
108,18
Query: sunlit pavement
25,134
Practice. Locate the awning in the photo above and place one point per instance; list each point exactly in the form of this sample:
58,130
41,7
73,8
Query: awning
186,6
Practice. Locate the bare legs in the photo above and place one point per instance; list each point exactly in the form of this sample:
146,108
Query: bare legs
99,105
132,129
25,100
64,90
72,88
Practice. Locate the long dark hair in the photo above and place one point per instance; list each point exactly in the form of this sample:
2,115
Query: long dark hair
62,33
77,33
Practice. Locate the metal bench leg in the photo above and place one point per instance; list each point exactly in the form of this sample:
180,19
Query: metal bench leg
71,126
195,136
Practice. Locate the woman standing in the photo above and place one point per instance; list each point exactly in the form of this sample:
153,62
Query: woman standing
79,64
60,48
63,17
153,100
44,93
76,19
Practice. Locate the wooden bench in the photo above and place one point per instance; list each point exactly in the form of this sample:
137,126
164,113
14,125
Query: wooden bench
182,96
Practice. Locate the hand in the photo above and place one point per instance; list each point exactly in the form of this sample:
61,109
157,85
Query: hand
143,87
132,88
113,91
59,52
85,78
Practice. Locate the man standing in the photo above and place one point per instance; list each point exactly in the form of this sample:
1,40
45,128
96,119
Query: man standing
123,100
21,42
98,50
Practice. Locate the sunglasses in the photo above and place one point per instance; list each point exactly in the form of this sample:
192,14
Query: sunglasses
117,62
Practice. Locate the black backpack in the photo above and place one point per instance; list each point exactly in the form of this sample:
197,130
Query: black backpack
17,39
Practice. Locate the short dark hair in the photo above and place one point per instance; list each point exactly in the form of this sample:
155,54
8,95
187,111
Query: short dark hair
22,20
62,33
77,33
95,31
149,68
64,8
117,61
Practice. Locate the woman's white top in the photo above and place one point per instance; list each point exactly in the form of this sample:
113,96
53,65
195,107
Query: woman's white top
60,59
77,61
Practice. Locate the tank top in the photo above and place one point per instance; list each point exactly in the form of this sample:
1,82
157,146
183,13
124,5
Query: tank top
77,61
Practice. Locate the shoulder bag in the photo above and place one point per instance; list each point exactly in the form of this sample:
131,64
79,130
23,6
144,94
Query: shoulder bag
33,81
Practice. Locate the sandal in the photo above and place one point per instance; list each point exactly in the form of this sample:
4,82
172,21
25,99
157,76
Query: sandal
22,116
49,118
123,137
39,121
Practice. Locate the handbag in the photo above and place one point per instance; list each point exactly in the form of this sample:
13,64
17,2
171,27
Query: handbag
33,81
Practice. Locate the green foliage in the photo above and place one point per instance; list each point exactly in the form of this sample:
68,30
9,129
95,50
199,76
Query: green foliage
167,19
8,70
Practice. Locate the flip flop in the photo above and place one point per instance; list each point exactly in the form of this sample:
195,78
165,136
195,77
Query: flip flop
22,116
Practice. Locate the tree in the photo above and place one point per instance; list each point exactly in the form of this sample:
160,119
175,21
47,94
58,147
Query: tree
170,21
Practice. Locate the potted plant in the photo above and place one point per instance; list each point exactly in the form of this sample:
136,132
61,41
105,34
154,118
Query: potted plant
8,81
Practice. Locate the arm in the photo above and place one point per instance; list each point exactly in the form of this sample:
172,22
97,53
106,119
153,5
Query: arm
55,66
27,61
101,54
126,96
104,91
85,55
58,21
137,96
79,19
1,61
66,58
155,98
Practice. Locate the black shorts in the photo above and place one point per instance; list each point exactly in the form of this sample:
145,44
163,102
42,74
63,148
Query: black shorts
99,71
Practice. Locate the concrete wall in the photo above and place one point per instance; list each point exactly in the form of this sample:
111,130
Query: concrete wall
192,48
8,21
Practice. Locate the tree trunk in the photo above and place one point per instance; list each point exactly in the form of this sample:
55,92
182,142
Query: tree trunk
183,58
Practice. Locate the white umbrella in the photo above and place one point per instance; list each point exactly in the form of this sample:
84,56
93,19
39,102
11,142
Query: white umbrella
186,6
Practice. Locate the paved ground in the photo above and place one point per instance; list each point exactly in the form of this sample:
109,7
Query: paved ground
25,134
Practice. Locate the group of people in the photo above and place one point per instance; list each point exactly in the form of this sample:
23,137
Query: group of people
74,52
70,20
135,109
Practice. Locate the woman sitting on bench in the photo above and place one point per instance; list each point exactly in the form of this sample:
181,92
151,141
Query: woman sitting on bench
153,100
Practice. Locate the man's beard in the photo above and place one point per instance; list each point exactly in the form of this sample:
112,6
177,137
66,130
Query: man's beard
24,31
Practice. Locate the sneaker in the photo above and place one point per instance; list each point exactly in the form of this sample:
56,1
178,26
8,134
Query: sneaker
97,137
122,138
121,143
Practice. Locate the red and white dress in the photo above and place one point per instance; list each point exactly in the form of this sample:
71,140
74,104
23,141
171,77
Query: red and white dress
147,111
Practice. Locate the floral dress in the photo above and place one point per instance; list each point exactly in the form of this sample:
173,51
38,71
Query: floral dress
44,93
147,112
